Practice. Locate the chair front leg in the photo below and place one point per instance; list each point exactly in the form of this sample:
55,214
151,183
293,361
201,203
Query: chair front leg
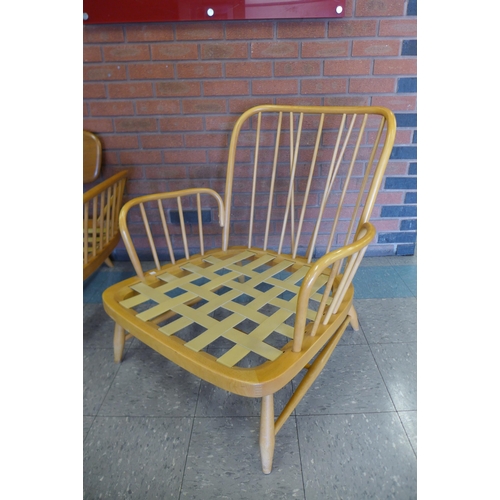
267,433
118,342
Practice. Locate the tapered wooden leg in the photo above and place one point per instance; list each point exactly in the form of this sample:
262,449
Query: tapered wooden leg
119,342
354,318
267,433
108,262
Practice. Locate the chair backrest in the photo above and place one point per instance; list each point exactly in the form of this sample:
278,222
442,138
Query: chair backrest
92,157
300,180
304,178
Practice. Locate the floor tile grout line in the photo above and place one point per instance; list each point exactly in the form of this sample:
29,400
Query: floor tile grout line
406,432
382,377
363,332
392,401
88,430
104,397
300,456
371,412
391,342
206,417
110,385
165,417
189,440
393,268
404,281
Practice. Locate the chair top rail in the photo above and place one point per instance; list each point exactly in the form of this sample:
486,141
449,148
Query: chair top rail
380,141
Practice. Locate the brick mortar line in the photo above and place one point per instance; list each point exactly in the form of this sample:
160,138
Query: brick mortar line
273,38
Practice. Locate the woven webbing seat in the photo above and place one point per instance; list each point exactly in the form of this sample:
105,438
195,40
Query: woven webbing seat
248,318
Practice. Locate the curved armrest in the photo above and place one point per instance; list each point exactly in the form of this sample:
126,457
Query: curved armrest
355,252
158,197
102,186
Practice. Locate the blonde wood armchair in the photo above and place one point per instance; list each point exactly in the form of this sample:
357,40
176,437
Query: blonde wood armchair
101,208
301,185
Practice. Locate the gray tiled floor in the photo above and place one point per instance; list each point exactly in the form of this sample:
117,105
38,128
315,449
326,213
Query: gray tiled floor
152,430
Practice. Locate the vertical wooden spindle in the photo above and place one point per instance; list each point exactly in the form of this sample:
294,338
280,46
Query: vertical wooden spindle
150,236
254,181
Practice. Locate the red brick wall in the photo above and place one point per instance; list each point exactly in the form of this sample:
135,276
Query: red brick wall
163,97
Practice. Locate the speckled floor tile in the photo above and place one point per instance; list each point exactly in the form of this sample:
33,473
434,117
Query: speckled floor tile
379,281
87,424
409,275
95,285
388,320
99,371
215,402
135,458
89,289
150,385
360,456
352,337
98,327
350,382
134,343
224,462
409,419
398,365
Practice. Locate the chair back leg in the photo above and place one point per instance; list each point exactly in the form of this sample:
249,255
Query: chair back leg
354,319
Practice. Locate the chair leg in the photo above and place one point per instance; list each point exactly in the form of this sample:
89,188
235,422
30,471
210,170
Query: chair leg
354,319
267,434
118,342
108,262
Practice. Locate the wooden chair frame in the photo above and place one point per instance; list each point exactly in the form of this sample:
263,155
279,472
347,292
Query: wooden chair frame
101,209
92,157
255,282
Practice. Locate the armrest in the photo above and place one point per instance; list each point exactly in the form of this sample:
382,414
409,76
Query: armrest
102,186
354,252
159,215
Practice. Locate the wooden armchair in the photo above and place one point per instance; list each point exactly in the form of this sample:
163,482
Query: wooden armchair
248,316
101,208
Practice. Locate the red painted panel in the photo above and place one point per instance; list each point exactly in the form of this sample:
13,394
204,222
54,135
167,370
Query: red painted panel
134,11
